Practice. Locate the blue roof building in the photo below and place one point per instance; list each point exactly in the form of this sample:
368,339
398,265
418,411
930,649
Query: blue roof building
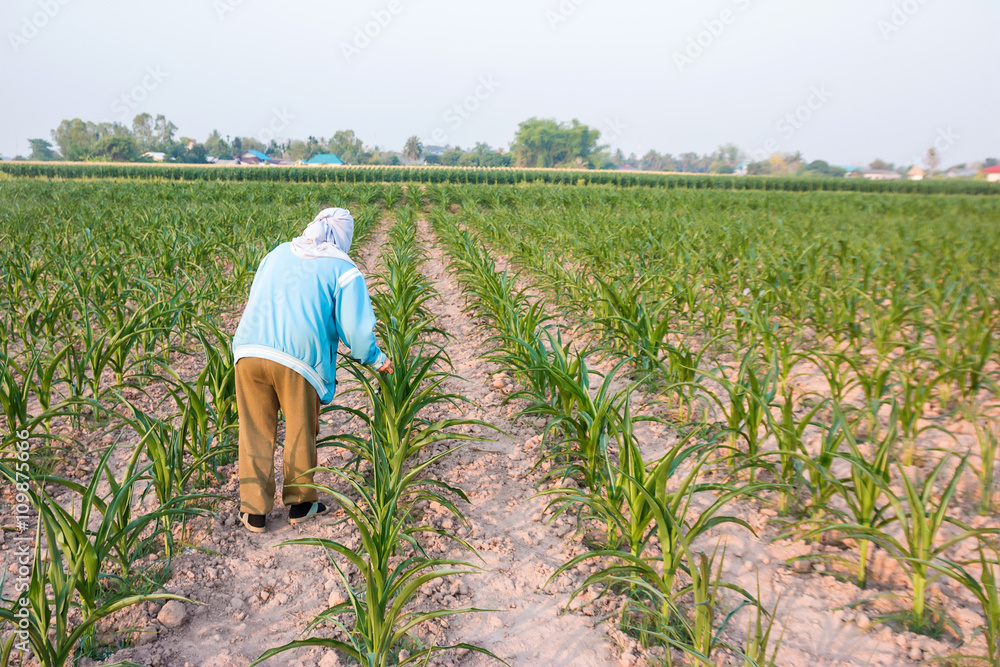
256,157
325,158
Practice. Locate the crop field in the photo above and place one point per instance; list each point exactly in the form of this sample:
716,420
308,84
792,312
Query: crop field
631,423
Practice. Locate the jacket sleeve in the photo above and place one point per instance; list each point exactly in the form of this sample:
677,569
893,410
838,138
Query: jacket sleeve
356,320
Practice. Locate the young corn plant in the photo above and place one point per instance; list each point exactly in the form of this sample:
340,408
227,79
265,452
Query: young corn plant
792,450
392,571
747,410
651,576
121,536
866,499
171,471
916,384
706,588
587,423
988,439
218,378
817,476
51,634
758,651
621,504
920,516
984,588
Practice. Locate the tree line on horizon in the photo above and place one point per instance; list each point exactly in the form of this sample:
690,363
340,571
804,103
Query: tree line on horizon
538,142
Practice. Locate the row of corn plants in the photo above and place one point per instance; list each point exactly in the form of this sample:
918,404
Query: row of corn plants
643,534
391,477
486,176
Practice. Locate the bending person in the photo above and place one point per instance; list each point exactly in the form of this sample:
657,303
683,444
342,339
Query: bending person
306,297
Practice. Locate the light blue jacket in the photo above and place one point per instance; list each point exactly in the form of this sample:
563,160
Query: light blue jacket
298,312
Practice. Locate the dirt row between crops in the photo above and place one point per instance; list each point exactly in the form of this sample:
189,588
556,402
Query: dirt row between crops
254,594
536,622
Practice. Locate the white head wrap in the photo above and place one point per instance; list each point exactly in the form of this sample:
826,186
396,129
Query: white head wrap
329,235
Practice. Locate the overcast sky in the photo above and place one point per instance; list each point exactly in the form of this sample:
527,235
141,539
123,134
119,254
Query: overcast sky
860,79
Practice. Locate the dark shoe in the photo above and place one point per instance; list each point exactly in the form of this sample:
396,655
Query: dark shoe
253,522
303,511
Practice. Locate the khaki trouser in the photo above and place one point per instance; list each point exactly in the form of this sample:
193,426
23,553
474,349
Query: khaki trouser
262,387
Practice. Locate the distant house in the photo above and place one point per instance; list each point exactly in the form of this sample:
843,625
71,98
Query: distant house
627,167
324,159
155,155
436,150
880,174
960,172
992,174
916,174
256,157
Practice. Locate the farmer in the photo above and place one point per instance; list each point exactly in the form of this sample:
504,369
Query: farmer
307,296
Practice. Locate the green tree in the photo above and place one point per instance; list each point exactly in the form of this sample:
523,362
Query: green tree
546,143
41,150
76,139
116,148
451,158
823,169
346,145
693,163
413,148
195,155
721,167
729,154
298,150
216,145
163,133
142,129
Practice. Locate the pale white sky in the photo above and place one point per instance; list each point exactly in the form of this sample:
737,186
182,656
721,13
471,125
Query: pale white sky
885,78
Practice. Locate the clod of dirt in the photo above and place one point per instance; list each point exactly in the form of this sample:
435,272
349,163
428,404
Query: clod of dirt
173,614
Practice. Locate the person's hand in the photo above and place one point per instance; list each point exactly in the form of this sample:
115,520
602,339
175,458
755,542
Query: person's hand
386,367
